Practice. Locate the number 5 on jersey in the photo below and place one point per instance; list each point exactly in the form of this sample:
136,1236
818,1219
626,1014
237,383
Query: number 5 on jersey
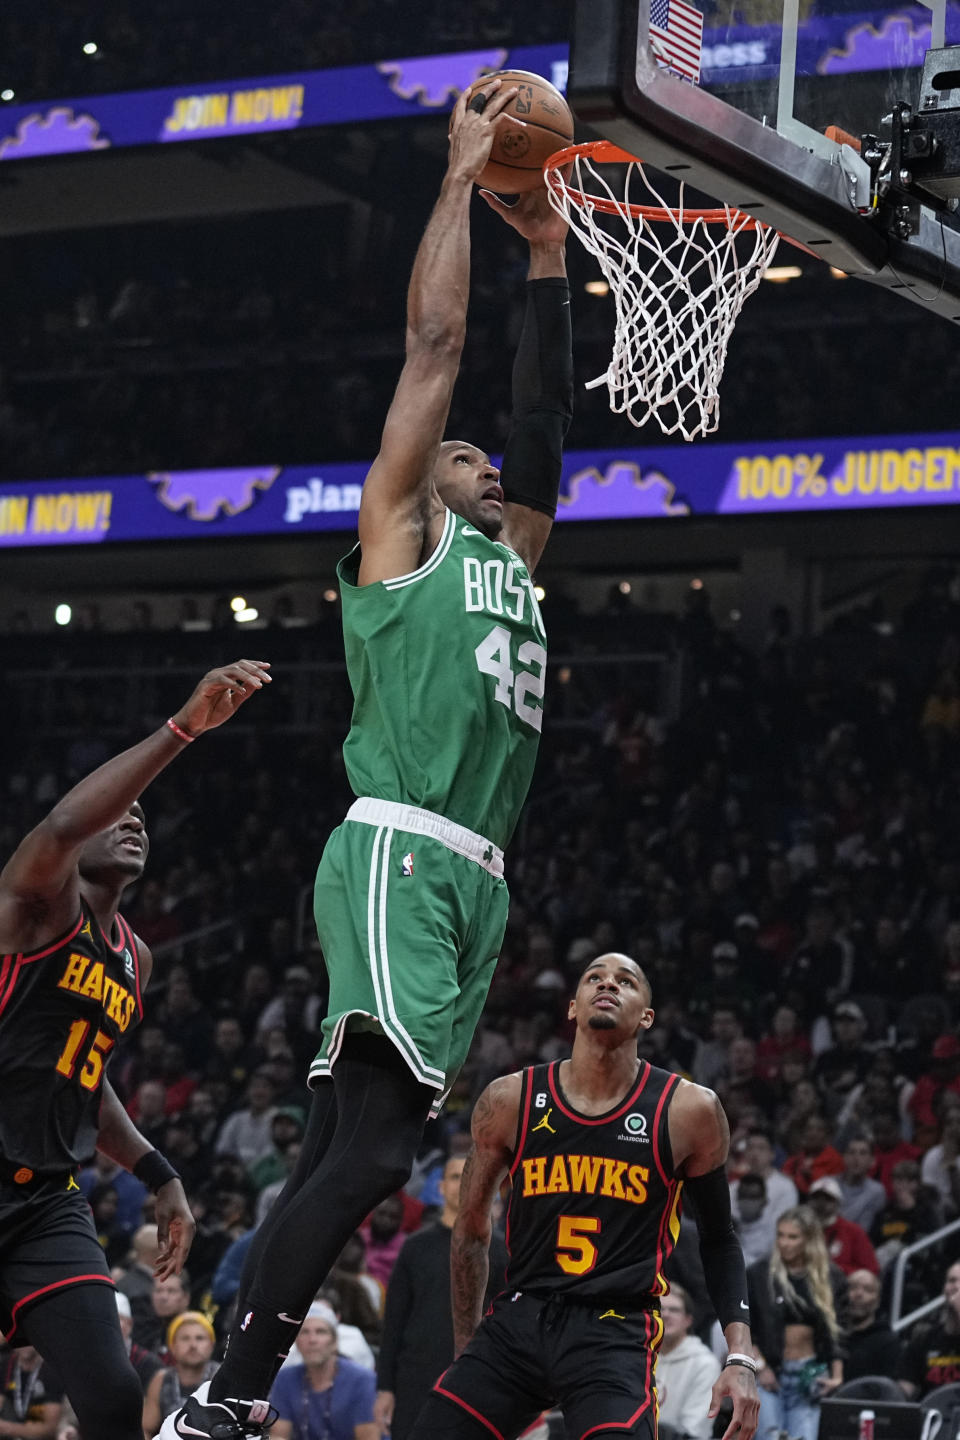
518,688
575,1254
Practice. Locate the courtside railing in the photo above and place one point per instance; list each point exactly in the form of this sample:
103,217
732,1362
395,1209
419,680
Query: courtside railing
899,1321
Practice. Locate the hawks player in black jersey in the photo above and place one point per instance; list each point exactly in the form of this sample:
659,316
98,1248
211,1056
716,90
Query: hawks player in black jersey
72,975
598,1148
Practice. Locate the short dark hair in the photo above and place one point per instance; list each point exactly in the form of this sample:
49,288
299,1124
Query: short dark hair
649,988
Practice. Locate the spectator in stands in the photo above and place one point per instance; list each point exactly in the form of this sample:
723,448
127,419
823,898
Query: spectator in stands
384,1237
756,1228
136,1282
296,1005
931,1356
287,1128
189,1158
870,1346
889,1147
417,1341
815,1157
247,1132
686,1371
758,1157
796,1298
229,1058
184,1018
114,1239
940,1167
942,1076
785,1037
822,966
848,1244
351,1343
148,1110
190,1343
171,1297
145,1362
909,1216
841,1067
327,1397
711,1060
31,1401
361,1296
203,1114
862,1199
130,1191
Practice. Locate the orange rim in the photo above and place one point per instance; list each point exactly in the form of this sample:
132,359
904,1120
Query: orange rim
606,153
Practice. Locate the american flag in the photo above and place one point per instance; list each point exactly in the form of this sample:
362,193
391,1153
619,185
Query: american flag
676,37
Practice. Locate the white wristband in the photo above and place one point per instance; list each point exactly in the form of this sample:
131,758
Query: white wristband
739,1359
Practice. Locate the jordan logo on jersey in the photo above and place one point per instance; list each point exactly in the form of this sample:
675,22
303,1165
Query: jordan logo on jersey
544,1124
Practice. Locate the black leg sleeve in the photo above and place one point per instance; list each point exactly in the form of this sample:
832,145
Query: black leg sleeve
77,1331
321,1124
381,1113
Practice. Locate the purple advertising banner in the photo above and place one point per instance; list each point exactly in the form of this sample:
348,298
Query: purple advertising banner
668,483
834,44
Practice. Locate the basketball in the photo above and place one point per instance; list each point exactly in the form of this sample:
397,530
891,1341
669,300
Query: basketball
535,125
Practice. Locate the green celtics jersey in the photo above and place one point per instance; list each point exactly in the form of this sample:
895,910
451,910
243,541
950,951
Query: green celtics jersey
447,666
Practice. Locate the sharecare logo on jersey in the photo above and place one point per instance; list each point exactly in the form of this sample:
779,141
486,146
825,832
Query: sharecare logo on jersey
635,1127
494,586
407,863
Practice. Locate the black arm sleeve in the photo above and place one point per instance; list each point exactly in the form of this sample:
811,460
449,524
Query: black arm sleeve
542,398
723,1267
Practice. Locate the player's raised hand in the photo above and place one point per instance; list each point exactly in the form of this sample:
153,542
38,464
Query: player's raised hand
176,1228
220,694
473,125
532,216
740,1384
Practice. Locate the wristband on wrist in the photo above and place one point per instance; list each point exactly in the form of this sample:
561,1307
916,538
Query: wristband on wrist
154,1170
179,731
747,1361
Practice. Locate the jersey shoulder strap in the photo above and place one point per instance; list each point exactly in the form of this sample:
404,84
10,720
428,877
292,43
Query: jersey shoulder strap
664,1085
533,1082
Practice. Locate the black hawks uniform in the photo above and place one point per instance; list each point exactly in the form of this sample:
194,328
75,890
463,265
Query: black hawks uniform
594,1213
62,1011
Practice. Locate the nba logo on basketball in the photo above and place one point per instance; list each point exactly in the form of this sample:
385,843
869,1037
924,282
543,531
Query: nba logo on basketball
407,863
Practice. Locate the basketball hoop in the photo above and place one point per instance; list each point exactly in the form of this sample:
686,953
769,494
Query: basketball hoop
679,280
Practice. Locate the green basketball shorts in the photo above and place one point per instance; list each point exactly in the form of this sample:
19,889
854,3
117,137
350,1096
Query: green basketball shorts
410,911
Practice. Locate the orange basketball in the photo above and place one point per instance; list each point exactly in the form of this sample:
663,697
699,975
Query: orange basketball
535,125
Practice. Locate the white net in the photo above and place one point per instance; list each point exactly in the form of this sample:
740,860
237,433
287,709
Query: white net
678,282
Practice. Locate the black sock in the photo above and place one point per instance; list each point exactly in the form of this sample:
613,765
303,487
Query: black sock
381,1111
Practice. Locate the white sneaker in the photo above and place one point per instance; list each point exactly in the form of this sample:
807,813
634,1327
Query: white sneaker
230,1419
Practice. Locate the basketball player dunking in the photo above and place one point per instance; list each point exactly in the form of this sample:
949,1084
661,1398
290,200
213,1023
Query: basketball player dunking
72,975
446,656
598,1148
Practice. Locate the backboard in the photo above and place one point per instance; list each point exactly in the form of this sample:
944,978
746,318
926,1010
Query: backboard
756,103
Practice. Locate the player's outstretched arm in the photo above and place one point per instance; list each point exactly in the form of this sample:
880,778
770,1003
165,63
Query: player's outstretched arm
542,378
494,1129
44,864
700,1141
399,499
